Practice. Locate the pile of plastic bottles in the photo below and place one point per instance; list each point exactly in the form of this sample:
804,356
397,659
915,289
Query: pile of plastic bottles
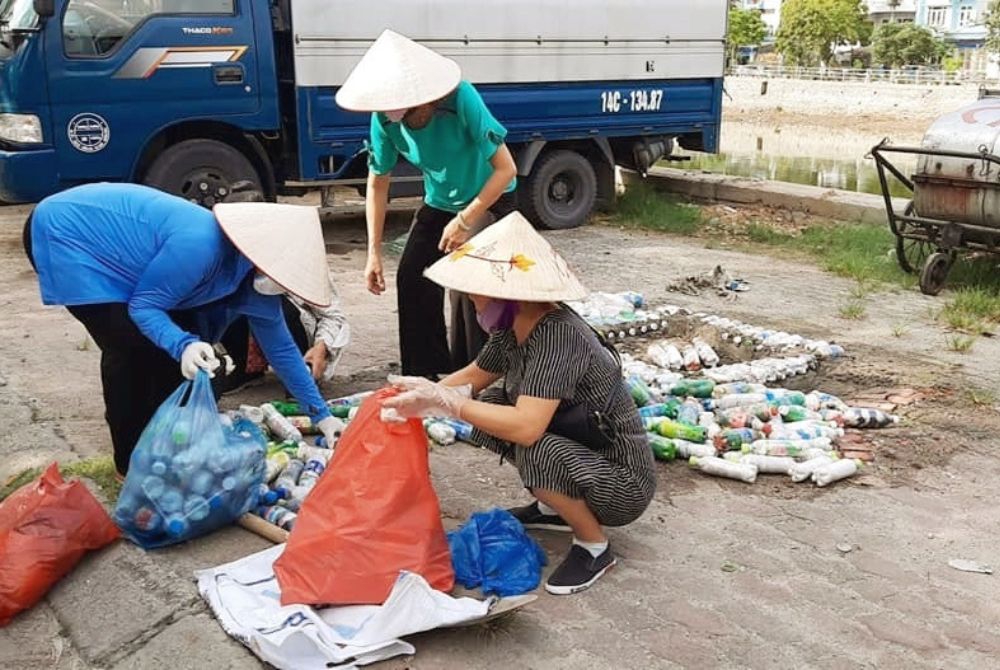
296,455
739,430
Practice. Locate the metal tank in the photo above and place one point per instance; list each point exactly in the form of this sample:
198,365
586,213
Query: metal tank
955,203
961,189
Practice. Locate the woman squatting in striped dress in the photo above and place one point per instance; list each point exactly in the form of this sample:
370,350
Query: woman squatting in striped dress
551,399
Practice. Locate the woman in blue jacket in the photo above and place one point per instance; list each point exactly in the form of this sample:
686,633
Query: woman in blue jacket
154,279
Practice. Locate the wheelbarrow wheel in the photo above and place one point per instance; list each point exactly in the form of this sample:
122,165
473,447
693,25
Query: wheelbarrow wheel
935,272
911,254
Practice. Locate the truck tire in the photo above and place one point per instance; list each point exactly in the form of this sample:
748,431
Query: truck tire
561,190
202,171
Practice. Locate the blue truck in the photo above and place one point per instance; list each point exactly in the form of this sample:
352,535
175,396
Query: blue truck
192,96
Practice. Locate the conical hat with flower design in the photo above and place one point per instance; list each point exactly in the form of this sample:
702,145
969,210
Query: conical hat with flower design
511,261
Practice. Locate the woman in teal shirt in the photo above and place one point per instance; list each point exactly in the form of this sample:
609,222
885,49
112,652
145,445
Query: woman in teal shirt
424,112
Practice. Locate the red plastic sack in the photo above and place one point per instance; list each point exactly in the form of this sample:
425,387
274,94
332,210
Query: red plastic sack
45,529
372,514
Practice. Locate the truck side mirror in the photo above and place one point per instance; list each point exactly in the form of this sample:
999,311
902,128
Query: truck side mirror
45,8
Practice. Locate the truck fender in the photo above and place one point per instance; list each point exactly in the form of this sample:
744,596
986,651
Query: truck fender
527,156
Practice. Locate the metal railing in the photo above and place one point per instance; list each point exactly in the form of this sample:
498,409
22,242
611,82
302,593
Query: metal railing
904,76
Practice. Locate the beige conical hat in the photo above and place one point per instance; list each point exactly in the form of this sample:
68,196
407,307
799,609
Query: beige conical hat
508,260
284,242
397,73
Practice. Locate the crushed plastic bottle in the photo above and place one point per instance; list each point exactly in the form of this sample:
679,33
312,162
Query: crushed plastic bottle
707,355
693,388
289,478
674,430
777,465
440,432
804,470
663,448
692,362
279,426
869,418
720,467
689,412
842,469
785,447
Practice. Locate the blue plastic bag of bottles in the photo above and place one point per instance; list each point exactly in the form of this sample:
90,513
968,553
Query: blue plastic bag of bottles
493,551
192,472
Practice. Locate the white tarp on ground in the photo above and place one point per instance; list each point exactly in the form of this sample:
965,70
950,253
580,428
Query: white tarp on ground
244,596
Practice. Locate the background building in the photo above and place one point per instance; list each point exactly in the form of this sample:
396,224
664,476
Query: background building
892,11
960,23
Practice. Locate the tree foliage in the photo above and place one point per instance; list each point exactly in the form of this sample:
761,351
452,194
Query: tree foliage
746,28
810,29
992,22
898,44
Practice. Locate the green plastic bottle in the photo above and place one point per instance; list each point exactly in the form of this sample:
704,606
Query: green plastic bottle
287,407
663,448
693,388
640,392
680,431
340,411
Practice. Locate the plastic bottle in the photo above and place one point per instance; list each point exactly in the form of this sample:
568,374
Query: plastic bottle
304,452
463,429
818,400
868,418
720,467
803,471
652,423
674,430
279,425
639,391
171,501
709,359
176,525
687,449
279,516
289,478
734,388
692,363
153,487
803,430
833,472
440,433
675,360
740,400
782,397
340,411
147,520
314,467
795,413
303,424
658,355
267,496
654,410
734,439
663,448
181,433
276,464
694,388
196,508
793,448
252,413
776,465
689,412
354,400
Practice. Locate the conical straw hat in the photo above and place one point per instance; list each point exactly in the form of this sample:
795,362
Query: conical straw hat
397,73
284,242
508,260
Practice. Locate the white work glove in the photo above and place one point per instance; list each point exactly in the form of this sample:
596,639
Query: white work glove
408,383
427,400
331,427
198,356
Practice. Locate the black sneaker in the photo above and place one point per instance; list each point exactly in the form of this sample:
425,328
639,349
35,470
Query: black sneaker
531,517
578,571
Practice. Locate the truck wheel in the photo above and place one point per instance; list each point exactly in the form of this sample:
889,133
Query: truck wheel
202,171
560,191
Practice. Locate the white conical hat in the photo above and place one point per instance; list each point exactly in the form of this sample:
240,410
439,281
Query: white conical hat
284,242
508,260
397,73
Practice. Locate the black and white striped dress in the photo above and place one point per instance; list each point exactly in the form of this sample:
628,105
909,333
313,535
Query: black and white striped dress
562,359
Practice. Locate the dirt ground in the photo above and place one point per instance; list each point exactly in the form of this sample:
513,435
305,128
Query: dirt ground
716,574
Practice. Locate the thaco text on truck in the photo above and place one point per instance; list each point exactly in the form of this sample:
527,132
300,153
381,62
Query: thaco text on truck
192,96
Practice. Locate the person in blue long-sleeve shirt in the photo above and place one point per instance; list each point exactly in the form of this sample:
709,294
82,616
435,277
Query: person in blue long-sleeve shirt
154,279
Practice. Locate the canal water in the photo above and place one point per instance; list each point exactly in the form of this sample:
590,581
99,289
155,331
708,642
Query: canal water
831,158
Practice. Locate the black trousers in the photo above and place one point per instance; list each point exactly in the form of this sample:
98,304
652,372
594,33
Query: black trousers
423,338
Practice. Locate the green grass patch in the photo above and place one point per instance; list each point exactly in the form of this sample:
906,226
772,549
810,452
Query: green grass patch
100,470
961,343
642,206
853,310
